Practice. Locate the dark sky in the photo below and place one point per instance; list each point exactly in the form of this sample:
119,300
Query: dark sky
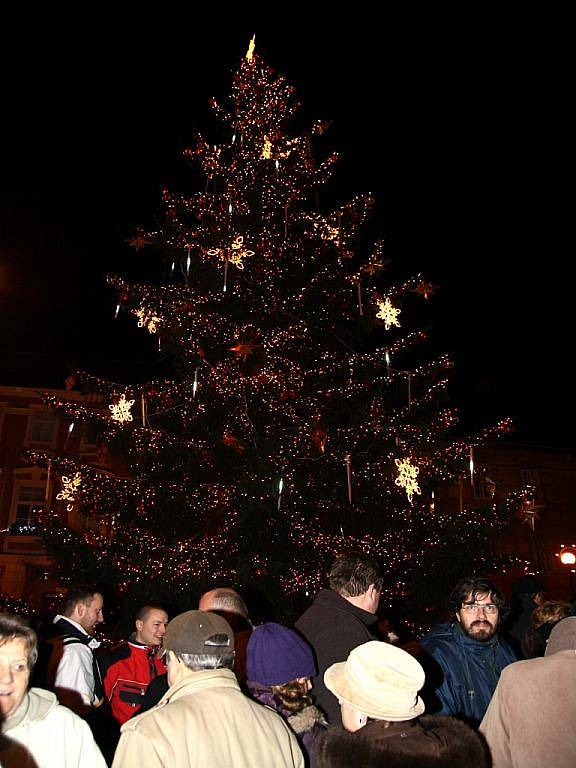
464,134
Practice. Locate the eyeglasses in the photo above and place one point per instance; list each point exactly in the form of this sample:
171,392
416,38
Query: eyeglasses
475,607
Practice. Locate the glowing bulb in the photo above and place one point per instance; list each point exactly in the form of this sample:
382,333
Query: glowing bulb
70,428
281,485
117,310
568,556
188,264
172,267
230,207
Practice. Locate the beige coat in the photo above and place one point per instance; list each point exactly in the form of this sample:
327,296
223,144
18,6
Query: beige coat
205,720
530,722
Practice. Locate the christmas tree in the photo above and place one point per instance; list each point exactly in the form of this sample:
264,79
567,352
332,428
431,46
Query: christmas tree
295,422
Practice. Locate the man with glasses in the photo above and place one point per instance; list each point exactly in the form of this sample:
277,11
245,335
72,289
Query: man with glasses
463,658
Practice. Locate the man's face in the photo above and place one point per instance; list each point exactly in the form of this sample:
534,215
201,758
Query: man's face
14,675
151,630
478,617
89,616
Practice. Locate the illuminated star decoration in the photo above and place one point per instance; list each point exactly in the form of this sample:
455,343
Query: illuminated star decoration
529,510
235,254
266,149
388,313
424,289
406,479
147,320
250,51
69,487
243,350
121,410
375,266
138,241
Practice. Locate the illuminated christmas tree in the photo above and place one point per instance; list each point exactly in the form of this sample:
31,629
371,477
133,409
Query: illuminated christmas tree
296,423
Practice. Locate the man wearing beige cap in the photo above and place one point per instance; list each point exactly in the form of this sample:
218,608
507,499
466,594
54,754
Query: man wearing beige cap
204,719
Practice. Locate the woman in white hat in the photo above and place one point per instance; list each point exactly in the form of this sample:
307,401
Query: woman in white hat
377,688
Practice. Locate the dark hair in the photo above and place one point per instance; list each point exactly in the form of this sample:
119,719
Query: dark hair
293,695
14,628
474,586
143,612
353,572
82,593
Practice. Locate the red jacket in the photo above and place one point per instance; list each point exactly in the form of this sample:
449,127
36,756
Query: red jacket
127,671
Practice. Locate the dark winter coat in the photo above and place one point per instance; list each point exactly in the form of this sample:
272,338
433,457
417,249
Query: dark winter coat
461,673
333,627
428,742
307,724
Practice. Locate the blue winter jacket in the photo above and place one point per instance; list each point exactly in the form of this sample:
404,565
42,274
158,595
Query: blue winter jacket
462,673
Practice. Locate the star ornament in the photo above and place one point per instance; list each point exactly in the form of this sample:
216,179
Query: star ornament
69,487
406,479
424,289
138,241
388,314
243,350
121,410
374,267
251,47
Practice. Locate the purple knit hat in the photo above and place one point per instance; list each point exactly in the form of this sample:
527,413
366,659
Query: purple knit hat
277,655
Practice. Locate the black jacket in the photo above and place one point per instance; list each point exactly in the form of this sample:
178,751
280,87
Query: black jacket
333,627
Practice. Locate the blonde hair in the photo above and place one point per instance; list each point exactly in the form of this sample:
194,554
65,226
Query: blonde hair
550,611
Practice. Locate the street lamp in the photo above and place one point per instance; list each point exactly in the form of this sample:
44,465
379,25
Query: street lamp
568,555
567,558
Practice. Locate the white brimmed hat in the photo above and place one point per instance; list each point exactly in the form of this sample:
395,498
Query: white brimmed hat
380,681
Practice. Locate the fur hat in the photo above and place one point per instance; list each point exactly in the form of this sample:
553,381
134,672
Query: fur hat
276,655
380,680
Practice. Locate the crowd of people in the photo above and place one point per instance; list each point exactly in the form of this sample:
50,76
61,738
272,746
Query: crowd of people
208,688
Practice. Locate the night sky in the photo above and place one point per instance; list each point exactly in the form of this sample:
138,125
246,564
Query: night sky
462,137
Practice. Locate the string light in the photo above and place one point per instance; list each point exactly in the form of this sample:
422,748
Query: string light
280,421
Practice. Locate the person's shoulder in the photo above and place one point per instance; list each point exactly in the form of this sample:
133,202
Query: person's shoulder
440,636
44,705
117,653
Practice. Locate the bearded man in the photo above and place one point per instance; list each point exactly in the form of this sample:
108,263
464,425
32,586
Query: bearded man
463,658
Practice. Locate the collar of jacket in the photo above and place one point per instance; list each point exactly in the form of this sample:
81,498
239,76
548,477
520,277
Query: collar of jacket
377,729
132,641
476,646
198,681
337,602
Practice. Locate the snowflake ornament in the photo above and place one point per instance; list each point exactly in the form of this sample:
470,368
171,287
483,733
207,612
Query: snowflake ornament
121,410
235,254
69,487
388,313
147,320
406,479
